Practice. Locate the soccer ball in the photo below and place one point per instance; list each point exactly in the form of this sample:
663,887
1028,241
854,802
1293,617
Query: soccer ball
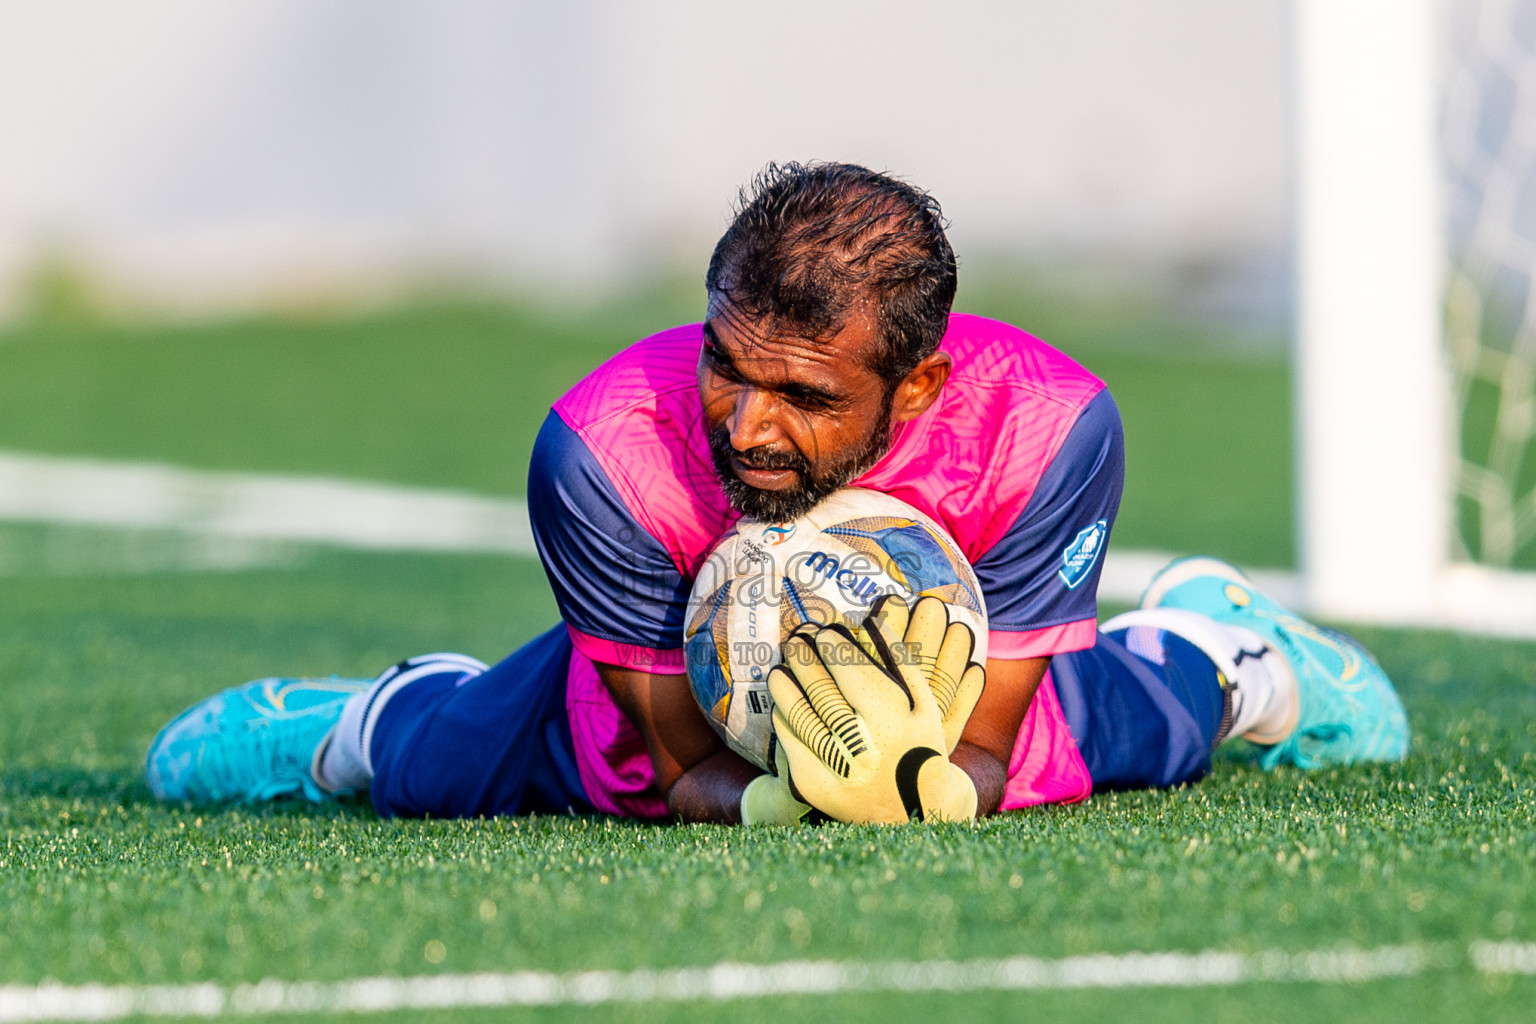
762,580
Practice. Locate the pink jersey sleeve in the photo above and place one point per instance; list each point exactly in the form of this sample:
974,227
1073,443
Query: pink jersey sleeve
611,652
1042,643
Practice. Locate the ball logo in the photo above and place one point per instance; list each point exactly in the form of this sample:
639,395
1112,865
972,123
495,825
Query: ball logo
853,579
777,534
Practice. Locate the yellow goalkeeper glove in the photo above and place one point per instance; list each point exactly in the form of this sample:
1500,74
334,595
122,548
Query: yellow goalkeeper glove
862,743
931,651
767,800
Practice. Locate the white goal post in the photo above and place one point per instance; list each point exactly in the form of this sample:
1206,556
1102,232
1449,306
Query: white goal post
1375,405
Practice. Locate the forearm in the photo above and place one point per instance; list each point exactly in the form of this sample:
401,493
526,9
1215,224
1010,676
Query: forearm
710,791
993,730
698,777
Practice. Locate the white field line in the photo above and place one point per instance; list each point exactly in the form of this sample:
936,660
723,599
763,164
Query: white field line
143,496
237,520
1126,574
54,1002
1504,957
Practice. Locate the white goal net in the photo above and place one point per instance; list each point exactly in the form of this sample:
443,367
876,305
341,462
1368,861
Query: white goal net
1489,138
1416,133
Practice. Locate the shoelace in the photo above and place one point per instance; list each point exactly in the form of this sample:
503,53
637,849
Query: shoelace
260,753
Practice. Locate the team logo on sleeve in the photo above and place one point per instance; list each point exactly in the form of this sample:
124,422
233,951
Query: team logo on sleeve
1080,556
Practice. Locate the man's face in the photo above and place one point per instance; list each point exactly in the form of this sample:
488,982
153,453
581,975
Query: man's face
790,419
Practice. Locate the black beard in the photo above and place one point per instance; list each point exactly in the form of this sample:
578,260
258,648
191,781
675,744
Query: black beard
806,493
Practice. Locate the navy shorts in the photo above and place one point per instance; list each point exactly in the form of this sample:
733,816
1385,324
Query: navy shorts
1141,721
500,743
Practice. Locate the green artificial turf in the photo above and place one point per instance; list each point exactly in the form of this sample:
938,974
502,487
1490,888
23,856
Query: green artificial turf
452,396
99,884
101,643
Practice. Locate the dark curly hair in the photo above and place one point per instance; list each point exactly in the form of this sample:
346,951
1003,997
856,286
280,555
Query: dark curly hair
808,240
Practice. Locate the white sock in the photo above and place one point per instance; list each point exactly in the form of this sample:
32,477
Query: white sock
1264,698
344,759
342,762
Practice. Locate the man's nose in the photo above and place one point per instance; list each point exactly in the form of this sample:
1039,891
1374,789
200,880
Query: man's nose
753,419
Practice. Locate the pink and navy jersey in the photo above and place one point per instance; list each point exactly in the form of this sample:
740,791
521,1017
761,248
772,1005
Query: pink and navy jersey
1020,458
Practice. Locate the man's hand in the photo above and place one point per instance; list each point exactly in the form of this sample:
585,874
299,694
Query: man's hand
933,652
864,734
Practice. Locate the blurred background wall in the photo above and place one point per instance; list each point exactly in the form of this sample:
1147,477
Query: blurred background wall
186,157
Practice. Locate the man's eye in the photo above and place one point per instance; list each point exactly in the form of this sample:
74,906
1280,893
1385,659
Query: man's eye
720,366
810,403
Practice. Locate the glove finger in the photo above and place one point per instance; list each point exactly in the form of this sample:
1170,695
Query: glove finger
949,664
794,657
930,618
817,784
887,621
925,637
883,636
866,685
888,616
807,628
920,650
972,682
822,692
803,662
800,720
865,637
791,703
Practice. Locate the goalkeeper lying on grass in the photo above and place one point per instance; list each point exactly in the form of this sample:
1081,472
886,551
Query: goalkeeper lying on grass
828,357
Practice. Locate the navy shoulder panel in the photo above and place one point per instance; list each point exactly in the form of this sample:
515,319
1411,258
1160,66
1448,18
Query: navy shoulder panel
1045,571
612,579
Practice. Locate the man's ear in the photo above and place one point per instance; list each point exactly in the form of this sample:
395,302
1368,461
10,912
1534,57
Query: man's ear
918,389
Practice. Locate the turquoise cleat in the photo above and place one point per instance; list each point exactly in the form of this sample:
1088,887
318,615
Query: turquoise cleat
254,742
1349,711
